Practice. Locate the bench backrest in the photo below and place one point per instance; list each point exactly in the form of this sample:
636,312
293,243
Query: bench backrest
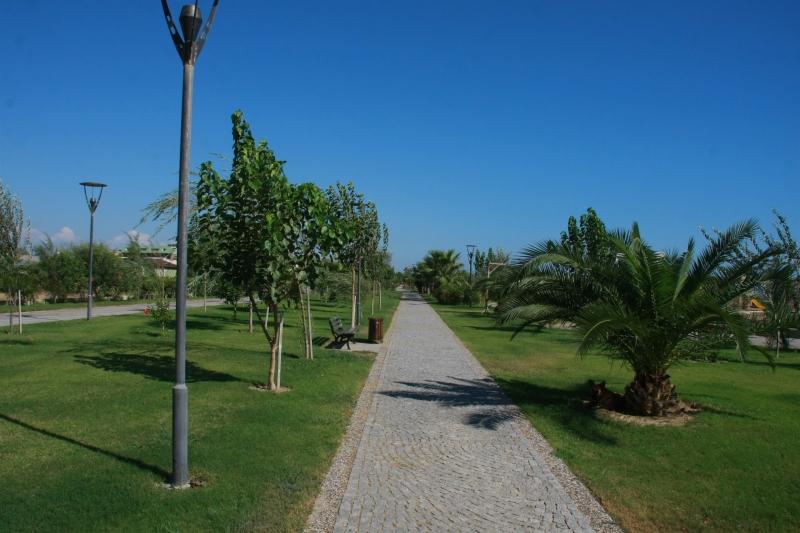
336,325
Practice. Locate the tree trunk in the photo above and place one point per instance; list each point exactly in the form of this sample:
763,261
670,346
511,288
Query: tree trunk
653,395
273,358
372,303
280,354
310,329
250,318
19,309
10,303
353,297
380,296
205,293
303,320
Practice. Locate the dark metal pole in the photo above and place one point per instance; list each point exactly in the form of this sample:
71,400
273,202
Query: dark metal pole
180,394
188,47
91,264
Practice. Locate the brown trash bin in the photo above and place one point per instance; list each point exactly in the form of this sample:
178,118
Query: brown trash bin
375,329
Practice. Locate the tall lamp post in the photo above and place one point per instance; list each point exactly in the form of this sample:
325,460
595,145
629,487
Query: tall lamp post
470,255
470,258
189,47
92,191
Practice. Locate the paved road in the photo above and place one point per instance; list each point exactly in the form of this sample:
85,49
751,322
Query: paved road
56,315
443,449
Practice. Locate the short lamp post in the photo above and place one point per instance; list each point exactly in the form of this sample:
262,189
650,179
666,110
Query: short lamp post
92,191
189,42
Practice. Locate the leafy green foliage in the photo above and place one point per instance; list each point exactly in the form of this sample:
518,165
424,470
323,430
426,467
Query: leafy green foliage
261,235
14,274
60,272
161,312
633,302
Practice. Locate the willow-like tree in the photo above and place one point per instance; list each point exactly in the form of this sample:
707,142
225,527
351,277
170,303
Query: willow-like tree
249,219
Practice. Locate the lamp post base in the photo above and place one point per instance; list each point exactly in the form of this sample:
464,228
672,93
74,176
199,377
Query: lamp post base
180,440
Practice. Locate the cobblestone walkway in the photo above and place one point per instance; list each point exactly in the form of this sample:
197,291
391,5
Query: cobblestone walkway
443,449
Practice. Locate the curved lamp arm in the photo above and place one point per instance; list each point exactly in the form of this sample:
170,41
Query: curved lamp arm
188,50
201,38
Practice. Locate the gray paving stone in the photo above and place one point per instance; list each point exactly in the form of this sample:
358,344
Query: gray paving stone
443,449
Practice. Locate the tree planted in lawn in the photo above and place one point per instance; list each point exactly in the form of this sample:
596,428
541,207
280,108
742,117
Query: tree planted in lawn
317,234
360,218
249,219
633,302
12,248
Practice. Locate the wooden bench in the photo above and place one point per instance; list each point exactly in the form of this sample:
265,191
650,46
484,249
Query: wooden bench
340,333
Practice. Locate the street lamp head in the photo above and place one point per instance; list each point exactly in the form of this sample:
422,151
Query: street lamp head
90,189
193,30
191,20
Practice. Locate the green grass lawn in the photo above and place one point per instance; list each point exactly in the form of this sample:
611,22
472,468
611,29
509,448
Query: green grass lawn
44,306
85,424
736,466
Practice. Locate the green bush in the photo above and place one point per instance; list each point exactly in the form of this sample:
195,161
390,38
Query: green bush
452,291
161,313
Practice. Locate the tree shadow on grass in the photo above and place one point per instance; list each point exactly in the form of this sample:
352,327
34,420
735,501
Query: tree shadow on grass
25,341
562,406
157,367
119,457
321,340
214,324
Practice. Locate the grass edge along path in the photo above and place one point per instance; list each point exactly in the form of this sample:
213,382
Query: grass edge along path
85,424
734,467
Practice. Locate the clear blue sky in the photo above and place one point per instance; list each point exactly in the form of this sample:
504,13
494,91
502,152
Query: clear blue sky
482,122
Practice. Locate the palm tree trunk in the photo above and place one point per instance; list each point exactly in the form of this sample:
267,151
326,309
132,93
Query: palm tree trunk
652,395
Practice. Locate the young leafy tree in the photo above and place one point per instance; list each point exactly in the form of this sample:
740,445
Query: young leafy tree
12,247
316,235
360,219
249,219
378,262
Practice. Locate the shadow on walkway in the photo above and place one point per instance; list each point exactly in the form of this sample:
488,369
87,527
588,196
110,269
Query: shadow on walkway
490,403
123,458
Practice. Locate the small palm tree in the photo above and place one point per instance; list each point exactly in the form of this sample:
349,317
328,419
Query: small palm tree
635,303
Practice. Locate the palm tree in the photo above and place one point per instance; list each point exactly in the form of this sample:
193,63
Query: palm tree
635,303
436,268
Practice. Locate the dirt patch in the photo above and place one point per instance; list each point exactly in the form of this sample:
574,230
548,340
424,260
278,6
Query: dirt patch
260,387
664,421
